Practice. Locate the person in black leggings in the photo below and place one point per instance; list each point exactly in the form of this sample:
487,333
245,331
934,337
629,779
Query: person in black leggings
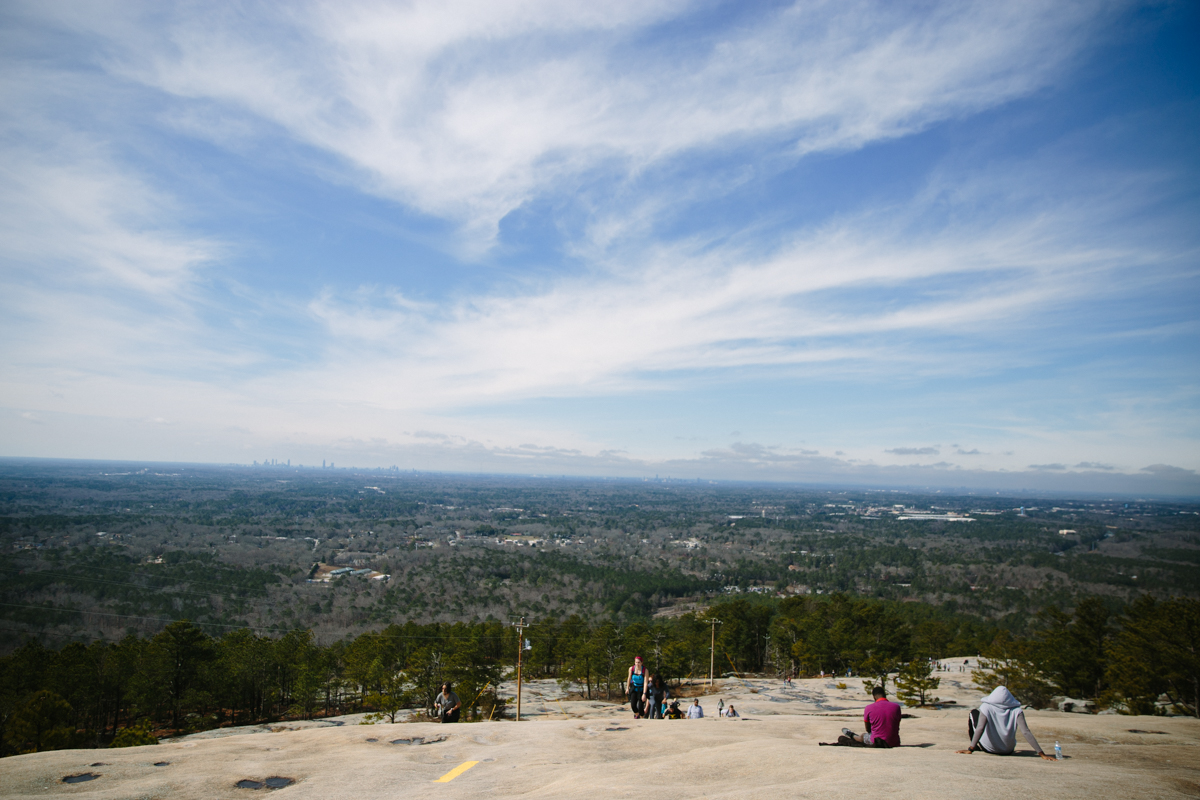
656,695
447,703
635,686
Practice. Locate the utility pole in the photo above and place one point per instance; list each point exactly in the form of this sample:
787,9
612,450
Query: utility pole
520,652
712,648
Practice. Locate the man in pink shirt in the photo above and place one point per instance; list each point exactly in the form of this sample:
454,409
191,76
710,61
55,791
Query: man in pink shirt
883,723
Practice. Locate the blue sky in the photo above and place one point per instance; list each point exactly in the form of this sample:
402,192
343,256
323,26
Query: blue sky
943,244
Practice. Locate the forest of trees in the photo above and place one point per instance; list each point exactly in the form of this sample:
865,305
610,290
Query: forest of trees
1139,658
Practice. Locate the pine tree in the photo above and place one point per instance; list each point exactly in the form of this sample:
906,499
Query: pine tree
915,683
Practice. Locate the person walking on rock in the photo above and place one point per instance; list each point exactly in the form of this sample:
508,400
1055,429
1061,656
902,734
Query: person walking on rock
635,686
448,705
695,711
656,697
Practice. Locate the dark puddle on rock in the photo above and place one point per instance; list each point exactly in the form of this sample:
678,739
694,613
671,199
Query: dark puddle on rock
372,740
162,763
99,764
1131,730
274,782
80,778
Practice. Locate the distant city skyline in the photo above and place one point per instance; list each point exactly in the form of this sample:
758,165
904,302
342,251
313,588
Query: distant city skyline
932,245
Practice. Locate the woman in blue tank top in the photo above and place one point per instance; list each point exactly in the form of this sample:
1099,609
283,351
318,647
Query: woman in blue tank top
636,686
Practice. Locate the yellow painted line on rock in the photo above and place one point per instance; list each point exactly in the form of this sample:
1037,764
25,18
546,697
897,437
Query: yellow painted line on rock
454,773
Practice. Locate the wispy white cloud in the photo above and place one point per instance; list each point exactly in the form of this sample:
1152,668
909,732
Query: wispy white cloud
842,294
468,110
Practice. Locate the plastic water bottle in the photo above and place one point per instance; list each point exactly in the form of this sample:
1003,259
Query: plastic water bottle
1058,751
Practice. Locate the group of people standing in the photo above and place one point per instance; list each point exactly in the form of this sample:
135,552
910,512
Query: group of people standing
648,695
647,692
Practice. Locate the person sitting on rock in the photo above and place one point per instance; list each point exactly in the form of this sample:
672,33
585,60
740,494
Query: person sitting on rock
993,726
694,710
882,719
448,705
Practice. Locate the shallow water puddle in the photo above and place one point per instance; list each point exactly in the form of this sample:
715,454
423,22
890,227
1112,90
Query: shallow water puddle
80,778
419,740
274,782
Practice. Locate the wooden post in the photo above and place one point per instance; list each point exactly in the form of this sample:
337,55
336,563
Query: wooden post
520,652
712,649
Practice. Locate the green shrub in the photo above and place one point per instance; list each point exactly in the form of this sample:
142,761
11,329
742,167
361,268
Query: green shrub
135,735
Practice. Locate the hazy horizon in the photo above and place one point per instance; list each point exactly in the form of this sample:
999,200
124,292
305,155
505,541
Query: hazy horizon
1119,486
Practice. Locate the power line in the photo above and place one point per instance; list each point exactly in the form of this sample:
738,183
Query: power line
83,578
144,574
381,634
134,616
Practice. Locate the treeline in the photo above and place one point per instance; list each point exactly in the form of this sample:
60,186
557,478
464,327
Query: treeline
1142,661
1138,659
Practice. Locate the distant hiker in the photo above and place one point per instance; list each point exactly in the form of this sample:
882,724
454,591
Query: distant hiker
448,704
993,726
694,710
731,711
656,697
721,707
882,718
673,711
635,686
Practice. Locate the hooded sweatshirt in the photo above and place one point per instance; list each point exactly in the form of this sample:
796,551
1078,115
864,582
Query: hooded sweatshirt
999,717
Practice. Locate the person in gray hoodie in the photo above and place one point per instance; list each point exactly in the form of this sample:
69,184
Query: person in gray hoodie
993,726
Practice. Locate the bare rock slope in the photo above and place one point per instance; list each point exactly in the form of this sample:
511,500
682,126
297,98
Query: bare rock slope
591,750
